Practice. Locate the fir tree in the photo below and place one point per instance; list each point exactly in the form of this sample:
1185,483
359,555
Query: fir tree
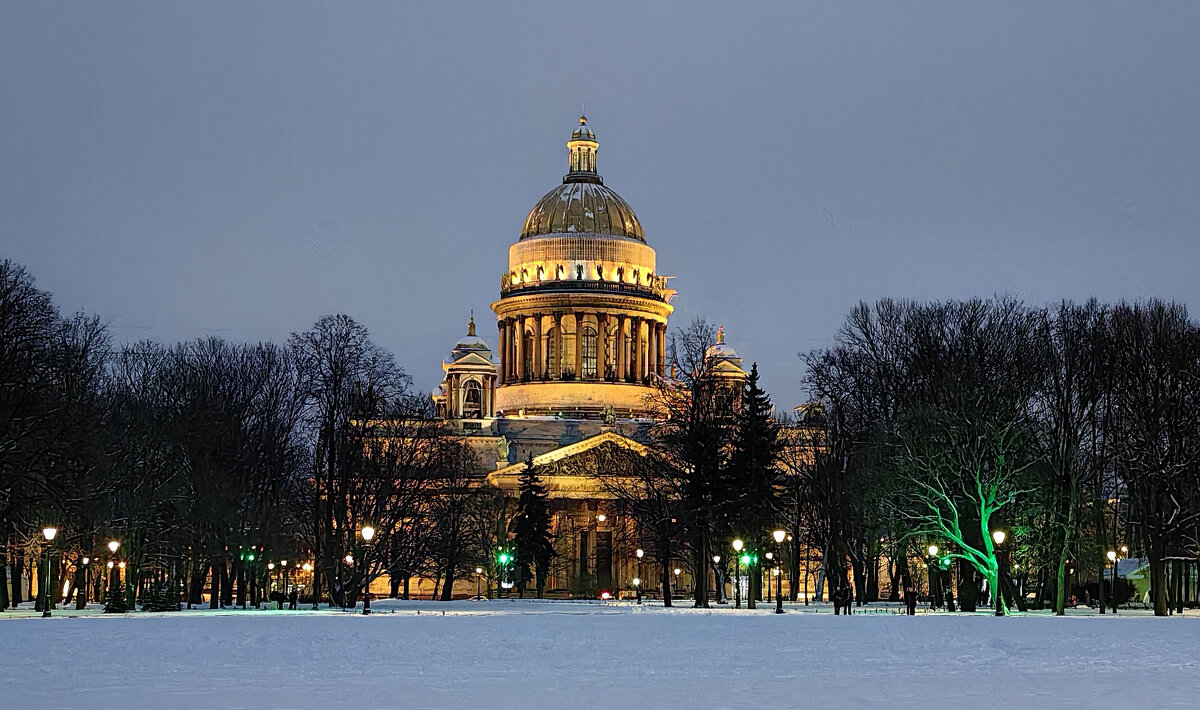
753,463
531,528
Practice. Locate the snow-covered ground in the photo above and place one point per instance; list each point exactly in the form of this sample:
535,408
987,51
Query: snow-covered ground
529,654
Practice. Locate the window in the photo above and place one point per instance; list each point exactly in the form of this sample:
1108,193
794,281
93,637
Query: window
589,351
551,350
472,400
527,356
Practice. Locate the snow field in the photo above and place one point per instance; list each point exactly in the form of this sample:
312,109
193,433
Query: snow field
509,654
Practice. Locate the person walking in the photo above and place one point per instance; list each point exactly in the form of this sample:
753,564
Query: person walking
910,597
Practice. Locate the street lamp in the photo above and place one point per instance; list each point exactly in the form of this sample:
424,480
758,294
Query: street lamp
677,570
49,532
717,578
1112,584
478,576
999,536
637,584
737,574
113,545
368,533
778,535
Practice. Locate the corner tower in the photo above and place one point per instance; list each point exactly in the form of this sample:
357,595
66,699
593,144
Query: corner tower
582,315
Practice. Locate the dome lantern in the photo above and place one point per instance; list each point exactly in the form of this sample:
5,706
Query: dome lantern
582,152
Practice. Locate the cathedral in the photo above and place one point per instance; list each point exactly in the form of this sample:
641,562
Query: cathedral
580,348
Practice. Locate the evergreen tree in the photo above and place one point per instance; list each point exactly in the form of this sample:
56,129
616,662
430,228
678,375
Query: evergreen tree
531,528
753,466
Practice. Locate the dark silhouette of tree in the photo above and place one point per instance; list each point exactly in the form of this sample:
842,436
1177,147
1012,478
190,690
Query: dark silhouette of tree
531,531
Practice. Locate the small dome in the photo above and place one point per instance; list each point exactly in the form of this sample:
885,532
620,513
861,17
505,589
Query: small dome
583,132
721,350
470,343
582,208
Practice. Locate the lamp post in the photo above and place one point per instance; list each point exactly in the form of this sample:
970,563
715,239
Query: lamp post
737,575
998,536
368,533
49,532
770,558
1112,584
637,582
478,577
778,535
933,582
717,578
81,584
677,571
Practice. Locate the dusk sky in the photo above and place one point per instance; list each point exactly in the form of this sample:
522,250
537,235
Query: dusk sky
241,169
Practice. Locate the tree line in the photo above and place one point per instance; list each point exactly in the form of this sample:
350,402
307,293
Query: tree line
223,464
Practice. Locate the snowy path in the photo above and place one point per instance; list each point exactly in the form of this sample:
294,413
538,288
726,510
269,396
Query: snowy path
530,655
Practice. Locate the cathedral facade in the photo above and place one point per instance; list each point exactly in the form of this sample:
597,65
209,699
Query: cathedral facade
580,349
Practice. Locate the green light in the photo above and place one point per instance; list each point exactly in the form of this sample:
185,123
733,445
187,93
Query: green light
745,559
503,557
251,558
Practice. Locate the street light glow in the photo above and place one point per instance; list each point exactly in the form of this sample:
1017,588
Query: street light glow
999,536
601,517
1112,555
779,535
716,559
640,552
50,532
349,559
368,532
637,581
86,560
933,550
113,545
737,545
676,571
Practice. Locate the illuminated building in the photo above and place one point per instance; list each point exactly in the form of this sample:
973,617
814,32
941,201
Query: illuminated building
581,347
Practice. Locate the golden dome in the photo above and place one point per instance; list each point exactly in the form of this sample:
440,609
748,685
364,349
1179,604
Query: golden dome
582,204
582,208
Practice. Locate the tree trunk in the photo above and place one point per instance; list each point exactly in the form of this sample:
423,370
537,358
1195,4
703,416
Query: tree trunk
966,586
700,573
3,566
1158,581
448,586
17,596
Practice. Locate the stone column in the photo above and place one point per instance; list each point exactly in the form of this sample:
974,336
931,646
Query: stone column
622,367
578,345
662,350
651,347
539,361
601,345
519,352
500,345
560,322
638,358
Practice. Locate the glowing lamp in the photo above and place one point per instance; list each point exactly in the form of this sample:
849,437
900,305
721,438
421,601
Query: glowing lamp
770,555
50,532
637,581
86,560
478,570
999,536
676,571
1112,556
605,595
779,535
640,553
737,545
349,559
716,559
933,550
113,545
368,532
121,565
270,565
601,518
110,564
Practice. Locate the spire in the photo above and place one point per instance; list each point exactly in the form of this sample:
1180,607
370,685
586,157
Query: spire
471,325
720,334
582,155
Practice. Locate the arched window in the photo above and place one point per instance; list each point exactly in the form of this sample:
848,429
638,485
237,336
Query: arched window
589,351
527,356
472,400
